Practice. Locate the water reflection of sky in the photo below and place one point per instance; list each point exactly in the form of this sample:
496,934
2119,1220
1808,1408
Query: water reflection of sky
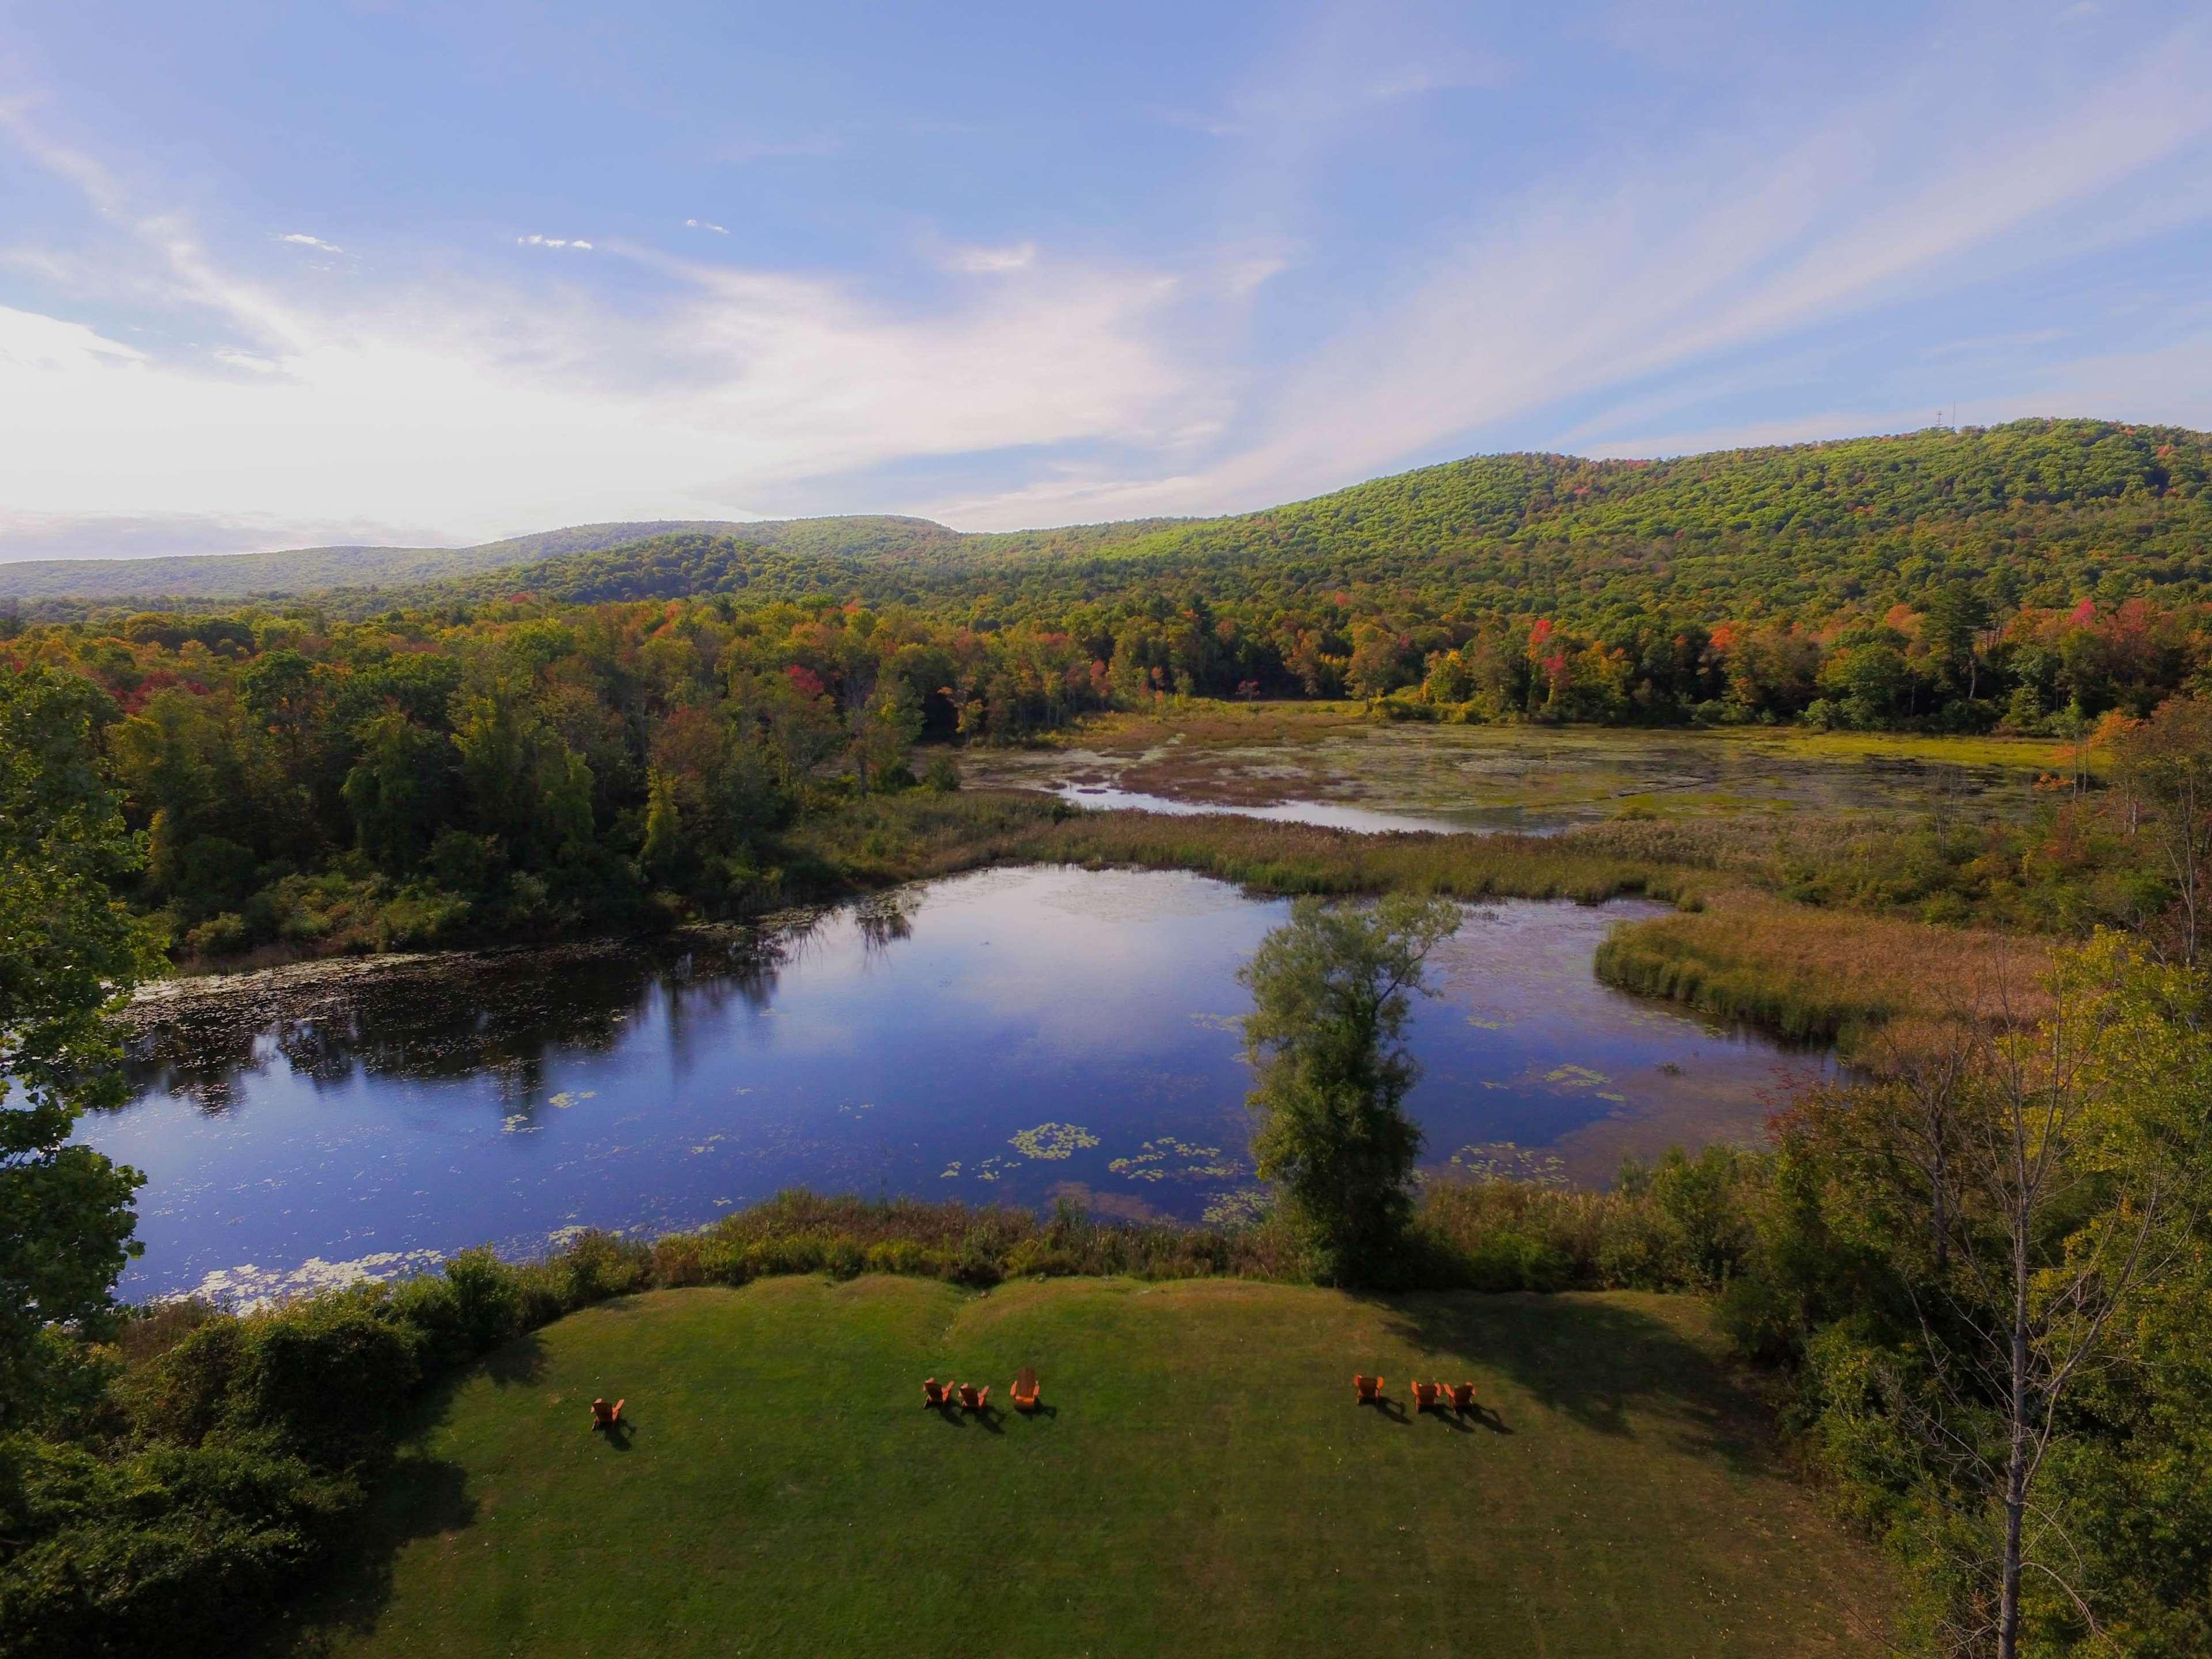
1329,815
1014,1035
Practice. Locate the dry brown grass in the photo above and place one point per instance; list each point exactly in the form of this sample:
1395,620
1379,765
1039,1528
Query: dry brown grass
1810,973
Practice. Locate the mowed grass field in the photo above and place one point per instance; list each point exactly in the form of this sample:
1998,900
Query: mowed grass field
1201,1483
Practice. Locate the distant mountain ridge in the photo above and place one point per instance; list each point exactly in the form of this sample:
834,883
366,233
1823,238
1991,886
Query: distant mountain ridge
293,573
2090,506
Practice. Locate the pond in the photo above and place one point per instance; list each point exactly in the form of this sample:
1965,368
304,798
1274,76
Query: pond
1014,1035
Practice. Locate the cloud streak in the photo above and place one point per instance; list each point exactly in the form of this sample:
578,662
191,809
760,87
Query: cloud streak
1687,297
1590,288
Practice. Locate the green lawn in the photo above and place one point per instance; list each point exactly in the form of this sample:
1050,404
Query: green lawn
1202,1483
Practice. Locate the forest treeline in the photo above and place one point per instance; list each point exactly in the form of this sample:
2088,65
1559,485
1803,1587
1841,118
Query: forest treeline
536,763
1959,580
570,744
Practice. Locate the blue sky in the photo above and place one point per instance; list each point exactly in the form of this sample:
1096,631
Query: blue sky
274,274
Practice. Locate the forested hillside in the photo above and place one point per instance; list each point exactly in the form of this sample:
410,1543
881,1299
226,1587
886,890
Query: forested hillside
299,571
2038,512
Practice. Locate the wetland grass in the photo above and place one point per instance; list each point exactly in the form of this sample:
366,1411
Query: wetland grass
1815,975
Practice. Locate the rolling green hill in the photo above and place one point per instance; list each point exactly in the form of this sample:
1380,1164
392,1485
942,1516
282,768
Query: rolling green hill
2043,513
304,570
2038,511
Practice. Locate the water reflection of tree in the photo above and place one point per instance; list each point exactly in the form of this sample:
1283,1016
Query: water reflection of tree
745,968
504,1013
885,919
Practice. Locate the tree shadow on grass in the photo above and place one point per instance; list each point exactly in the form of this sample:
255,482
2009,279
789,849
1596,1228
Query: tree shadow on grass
1592,1362
413,1496
519,1362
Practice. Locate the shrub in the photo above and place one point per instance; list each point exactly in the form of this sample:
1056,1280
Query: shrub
327,1376
1515,1262
222,935
904,1256
1040,1257
183,1394
170,1550
596,1265
975,1265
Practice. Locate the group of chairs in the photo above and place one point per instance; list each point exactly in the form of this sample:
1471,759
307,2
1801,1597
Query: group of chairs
967,1397
1427,1396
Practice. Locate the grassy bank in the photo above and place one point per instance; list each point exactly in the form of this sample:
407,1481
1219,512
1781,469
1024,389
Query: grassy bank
908,837
1823,974
1201,1484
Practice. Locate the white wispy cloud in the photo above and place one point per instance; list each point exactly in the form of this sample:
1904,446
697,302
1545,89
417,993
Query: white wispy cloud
479,407
992,261
1603,281
31,343
300,239
1633,306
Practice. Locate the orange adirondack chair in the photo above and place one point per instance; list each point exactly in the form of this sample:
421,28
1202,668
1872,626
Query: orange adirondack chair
973,1399
604,1416
1426,1394
1025,1390
933,1393
1367,1390
1462,1395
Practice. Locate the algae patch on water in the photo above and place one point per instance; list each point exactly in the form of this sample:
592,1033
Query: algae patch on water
1052,1140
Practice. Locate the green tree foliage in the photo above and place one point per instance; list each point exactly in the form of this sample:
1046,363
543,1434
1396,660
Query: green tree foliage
69,951
2165,765
1981,1254
396,791
1331,991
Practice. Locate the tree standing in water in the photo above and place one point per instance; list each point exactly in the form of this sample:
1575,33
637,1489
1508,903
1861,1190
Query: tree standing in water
1331,990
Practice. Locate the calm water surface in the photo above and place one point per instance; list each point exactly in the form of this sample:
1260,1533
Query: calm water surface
1013,1034
1329,815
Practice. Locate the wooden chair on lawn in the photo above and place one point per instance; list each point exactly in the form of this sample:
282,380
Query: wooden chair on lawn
1462,1395
1367,1390
933,1397
604,1416
1025,1389
1426,1395
973,1399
